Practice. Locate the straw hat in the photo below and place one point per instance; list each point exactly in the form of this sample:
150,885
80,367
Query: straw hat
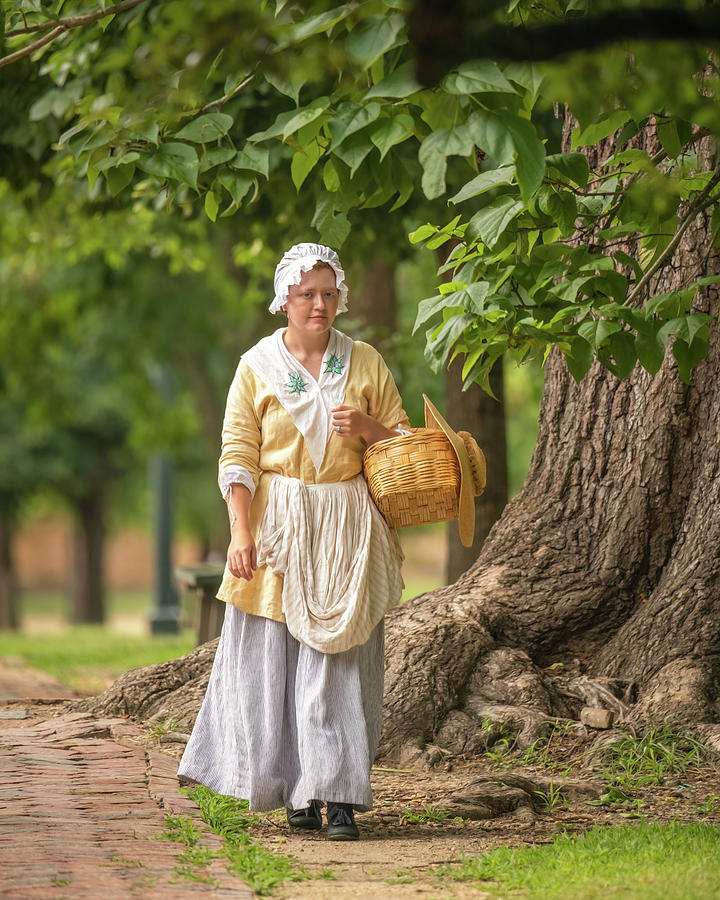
472,470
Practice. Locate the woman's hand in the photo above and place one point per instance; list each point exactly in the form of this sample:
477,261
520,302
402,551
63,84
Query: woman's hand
242,554
349,422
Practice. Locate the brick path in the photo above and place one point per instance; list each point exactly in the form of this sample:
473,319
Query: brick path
80,802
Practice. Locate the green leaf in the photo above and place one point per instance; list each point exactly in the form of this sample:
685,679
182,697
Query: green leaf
387,132
622,347
303,162
119,177
574,166
562,206
667,133
433,154
333,226
206,128
350,118
400,84
579,358
353,151
304,116
215,156
650,350
373,37
490,135
439,111
441,344
530,153
428,308
235,184
254,158
526,75
593,134
688,356
305,28
172,160
289,88
490,222
483,182
331,176
146,131
477,77
422,233
211,205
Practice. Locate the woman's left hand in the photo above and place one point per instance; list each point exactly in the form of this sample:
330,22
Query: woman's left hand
349,422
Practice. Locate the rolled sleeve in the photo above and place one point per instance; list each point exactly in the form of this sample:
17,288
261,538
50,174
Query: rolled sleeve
241,429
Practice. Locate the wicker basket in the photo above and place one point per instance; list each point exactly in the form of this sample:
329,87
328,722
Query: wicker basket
414,478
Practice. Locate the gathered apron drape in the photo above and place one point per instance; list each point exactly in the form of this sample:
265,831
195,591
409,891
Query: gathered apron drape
339,560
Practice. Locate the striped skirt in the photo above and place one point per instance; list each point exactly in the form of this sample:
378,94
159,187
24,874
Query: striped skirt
282,723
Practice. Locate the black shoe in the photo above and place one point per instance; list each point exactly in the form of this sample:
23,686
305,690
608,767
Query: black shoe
309,818
341,822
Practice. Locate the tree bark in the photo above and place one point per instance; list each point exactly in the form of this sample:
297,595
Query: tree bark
484,417
374,300
88,589
8,582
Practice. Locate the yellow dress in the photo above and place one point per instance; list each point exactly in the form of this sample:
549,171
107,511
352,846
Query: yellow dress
276,424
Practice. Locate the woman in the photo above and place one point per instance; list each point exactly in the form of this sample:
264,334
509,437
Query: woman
292,712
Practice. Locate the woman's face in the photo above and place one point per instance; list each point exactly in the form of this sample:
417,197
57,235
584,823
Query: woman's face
312,305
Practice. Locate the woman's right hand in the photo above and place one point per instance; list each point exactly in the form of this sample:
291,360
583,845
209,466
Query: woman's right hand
242,555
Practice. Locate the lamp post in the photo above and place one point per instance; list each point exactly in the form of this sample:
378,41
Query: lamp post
165,617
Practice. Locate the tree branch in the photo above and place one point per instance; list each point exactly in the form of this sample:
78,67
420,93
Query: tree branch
60,27
445,36
696,207
230,94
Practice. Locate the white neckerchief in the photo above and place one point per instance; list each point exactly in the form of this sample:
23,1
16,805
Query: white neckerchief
307,401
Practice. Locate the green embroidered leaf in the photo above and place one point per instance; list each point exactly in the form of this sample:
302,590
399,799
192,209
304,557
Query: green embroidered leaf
334,365
296,385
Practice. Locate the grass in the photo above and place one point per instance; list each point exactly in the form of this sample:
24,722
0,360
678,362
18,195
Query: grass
260,869
89,657
429,814
633,862
636,761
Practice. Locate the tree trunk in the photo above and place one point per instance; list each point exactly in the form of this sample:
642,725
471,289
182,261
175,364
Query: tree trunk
605,566
373,300
8,582
475,411
88,589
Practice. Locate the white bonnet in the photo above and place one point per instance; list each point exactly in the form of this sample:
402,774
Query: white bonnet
301,258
